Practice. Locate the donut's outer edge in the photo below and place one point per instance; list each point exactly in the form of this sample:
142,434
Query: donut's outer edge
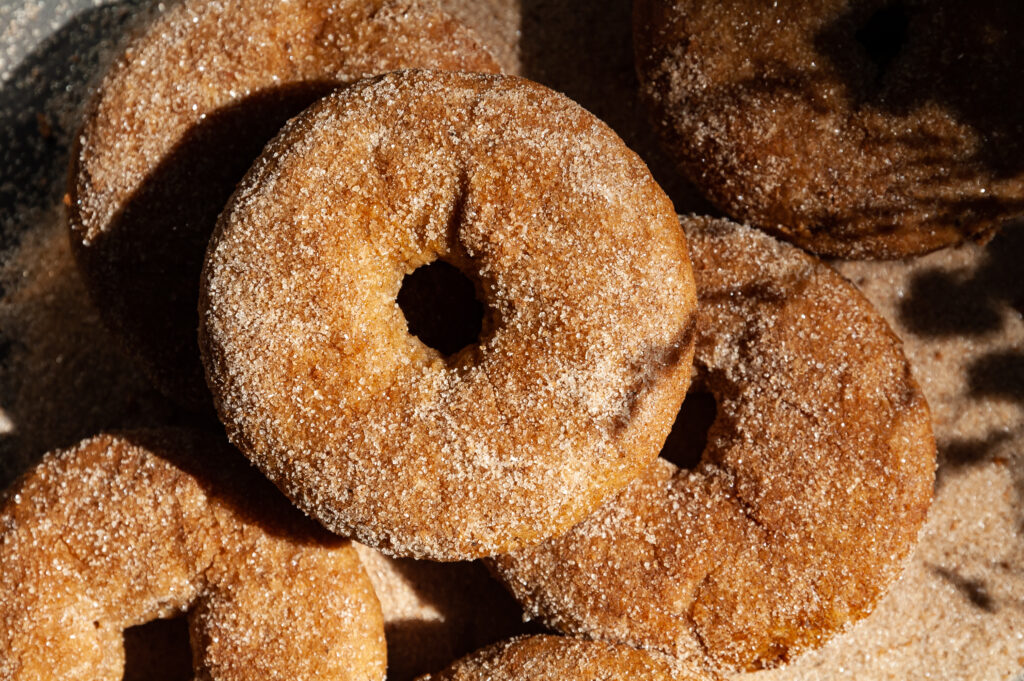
660,376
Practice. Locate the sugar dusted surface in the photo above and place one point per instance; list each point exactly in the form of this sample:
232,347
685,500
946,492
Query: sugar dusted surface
955,614
554,658
585,51
576,255
960,623
811,492
123,529
179,118
784,119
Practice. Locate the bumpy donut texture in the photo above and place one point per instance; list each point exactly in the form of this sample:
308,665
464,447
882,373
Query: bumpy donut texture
854,128
123,529
554,658
809,496
180,118
586,342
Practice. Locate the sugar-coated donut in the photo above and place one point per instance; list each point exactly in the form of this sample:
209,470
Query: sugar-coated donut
180,118
123,529
587,337
809,496
556,658
854,128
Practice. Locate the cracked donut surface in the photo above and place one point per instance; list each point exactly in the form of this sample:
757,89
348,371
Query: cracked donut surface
574,251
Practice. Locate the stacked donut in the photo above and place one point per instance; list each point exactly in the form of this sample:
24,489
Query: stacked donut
553,441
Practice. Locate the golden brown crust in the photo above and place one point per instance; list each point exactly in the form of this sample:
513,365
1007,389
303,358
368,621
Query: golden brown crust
123,529
575,252
810,495
179,119
555,658
854,128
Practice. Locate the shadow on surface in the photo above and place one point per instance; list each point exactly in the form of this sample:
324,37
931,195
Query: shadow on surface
974,590
585,50
962,453
62,377
473,611
999,375
889,52
941,302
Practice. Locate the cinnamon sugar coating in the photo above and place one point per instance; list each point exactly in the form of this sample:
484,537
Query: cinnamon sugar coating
179,119
123,529
854,128
554,658
587,337
809,496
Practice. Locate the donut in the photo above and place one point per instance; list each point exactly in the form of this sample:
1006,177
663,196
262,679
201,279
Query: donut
555,658
123,529
857,129
586,341
178,120
805,503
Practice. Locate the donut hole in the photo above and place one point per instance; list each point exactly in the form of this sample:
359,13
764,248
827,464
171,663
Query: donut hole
689,435
883,35
158,651
441,307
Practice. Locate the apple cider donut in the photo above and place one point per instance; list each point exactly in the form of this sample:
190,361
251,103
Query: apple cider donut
180,118
807,500
123,529
853,128
555,658
587,335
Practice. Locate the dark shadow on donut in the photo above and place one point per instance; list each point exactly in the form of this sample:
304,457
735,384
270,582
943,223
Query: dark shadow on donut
585,50
158,651
463,593
942,303
896,55
651,364
146,266
223,473
227,477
